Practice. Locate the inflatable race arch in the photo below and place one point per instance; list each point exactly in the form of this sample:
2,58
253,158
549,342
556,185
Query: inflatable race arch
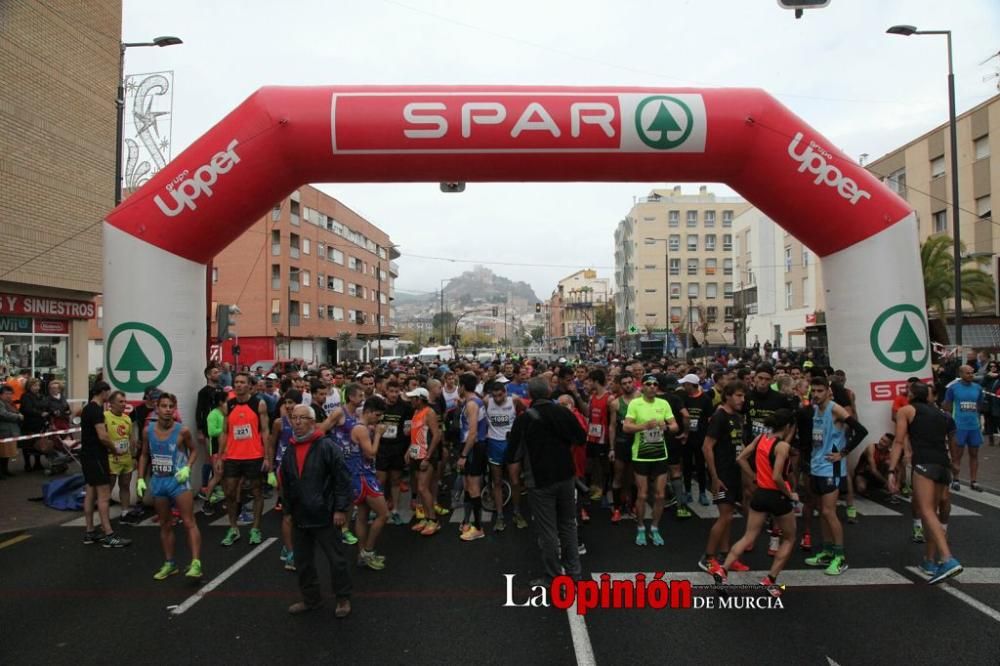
158,242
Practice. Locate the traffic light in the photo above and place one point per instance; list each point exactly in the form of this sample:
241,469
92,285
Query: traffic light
224,318
496,311
538,308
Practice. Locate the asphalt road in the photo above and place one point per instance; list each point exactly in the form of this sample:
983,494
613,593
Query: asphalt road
441,600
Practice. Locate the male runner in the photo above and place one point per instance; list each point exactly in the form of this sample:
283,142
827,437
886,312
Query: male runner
118,428
390,463
962,399
244,453
649,418
598,426
168,447
366,492
723,442
205,405
473,427
501,410
425,442
96,445
699,408
621,454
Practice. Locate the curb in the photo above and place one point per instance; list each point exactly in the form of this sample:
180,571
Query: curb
10,534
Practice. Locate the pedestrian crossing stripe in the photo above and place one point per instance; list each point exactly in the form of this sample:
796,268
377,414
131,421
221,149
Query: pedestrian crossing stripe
989,499
789,577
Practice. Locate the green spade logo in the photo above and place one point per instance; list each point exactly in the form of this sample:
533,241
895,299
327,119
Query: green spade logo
132,370
663,122
895,341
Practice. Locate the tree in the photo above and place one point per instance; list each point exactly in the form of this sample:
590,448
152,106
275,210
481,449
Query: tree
937,259
443,320
604,319
538,333
133,361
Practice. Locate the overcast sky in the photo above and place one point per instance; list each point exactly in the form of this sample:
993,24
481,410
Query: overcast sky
866,91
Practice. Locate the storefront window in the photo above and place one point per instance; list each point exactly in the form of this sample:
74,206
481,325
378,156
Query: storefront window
45,355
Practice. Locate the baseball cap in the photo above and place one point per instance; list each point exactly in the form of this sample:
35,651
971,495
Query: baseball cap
690,378
419,392
650,378
272,376
500,379
151,393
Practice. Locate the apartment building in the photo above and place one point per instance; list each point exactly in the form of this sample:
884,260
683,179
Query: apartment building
58,74
674,265
578,296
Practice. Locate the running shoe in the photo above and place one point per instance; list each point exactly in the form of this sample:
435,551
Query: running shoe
418,512
975,486
217,495
290,562
255,536
718,572
657,537
670,502
928,567
820,559
703,499
431,527
372,561
907,490
395,518
688,499
463,528
706,563
168,569
347,536
918,534
519,521
852,514
207,509
737,565
945,570
772,545
640,537
838,565
584,516
472,534
956,486
806,543
772,588
616,517
203,494
245,518
94,536
595,494
232,536
194,570
419,525
499,525
114,541
284,554
440,510
279,507
581,548
683,513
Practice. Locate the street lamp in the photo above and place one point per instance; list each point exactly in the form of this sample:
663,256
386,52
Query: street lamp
120,102
666,285
444,329
906,31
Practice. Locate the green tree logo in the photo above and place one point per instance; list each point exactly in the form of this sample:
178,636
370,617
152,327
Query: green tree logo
125,369
907,352
658,126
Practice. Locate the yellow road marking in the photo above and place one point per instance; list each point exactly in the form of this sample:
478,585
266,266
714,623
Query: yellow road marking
15,540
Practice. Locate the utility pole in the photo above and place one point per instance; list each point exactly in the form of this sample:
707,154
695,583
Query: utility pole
378,321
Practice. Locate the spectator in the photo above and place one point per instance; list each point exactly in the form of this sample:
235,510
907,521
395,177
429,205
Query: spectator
34,408
10,425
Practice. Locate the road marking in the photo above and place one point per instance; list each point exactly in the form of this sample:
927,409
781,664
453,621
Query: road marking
269,503
706,512
866,507
114,512
221,578
970,575
792,578
831,662
581,639
989,499
977,575
956,510
458,516
15,540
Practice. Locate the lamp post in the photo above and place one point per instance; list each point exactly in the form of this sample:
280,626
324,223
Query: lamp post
444,329
666,286
120,103
906,31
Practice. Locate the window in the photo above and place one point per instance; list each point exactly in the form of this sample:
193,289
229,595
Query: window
788,258
276,243
692,242
650,291
674,218
983,210
693,289
215,275
321,311
336,314
692,218
897,182
306,245
293,243
675,266
675,314
805,256
275,310
649,218
727,218
709,218
335,284
321,249
788,295
727,267
675,290
674,242
750,277
650,267
321,280
727,242
805,292
712,290
982,147
275,276
710,243
293,313
305,278
711,265
727,289
937,167
381,297
729,313
940,221
336,256
712,313
305,310
293,279
692,266
295,212
276,212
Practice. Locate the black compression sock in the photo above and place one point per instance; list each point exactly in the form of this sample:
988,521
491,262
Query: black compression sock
477,512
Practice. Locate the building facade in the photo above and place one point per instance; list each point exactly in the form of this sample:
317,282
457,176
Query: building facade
59,75
579,296
674,265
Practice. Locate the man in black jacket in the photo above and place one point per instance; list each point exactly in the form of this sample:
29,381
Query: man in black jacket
543,436
317,494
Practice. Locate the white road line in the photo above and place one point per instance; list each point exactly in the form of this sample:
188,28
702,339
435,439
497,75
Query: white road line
458,516
975,603
115,511
989,499
221,578
956,510
705,512
866,507
970,575
581,639
792,578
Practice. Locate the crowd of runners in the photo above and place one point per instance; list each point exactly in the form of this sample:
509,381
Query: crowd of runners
767,440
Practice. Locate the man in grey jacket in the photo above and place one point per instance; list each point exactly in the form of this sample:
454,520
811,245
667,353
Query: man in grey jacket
10,423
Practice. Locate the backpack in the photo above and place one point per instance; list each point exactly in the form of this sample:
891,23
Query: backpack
65,494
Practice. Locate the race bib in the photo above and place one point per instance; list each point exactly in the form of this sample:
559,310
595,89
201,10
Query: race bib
817,437
121,446
407,425
163,464
390,431
596,430
967,406
242,432
500,420
757,428
653,436
694,424
414,452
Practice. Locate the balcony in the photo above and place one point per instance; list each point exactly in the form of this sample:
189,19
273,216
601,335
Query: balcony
393,269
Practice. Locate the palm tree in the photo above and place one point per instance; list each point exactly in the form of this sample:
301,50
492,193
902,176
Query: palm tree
938,261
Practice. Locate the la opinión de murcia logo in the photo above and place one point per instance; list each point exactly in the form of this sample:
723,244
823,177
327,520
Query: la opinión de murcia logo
185,190
814,159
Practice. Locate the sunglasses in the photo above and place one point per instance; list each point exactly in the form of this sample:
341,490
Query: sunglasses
650,383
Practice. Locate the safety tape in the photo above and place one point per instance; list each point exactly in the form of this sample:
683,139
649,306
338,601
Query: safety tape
39,435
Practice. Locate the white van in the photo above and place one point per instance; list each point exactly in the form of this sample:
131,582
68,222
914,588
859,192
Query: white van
428,354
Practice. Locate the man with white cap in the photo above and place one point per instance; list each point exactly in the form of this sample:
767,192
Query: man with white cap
699,405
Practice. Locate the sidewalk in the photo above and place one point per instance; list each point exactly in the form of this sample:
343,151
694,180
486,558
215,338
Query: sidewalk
16,512
989,468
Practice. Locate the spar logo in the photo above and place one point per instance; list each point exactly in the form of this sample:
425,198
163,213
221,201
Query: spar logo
817,161
184,191
663,122
899,337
